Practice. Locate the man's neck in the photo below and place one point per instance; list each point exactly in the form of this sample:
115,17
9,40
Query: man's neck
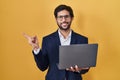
65,33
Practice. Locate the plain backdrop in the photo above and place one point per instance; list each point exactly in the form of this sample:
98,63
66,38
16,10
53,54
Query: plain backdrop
99,20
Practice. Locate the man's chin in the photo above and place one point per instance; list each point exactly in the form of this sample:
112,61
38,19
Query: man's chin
65,29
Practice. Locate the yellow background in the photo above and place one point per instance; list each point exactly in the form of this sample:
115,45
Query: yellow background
99,20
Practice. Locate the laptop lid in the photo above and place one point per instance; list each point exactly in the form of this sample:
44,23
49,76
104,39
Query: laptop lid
83,55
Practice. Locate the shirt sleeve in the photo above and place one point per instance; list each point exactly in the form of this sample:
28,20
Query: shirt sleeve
36,51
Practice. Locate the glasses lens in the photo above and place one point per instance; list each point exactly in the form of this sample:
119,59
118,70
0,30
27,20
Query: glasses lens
65,16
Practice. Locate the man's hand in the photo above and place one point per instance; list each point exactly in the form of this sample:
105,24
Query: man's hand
33,41
76,69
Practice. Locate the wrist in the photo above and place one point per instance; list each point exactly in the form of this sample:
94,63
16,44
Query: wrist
36,47
36,51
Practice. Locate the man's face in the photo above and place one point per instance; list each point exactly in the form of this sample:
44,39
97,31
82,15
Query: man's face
64,20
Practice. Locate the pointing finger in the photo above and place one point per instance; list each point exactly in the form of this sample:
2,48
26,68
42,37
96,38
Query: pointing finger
26,36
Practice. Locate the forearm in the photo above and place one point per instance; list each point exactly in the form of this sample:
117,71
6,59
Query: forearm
41,60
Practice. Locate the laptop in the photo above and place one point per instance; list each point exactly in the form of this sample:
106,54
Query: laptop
83,55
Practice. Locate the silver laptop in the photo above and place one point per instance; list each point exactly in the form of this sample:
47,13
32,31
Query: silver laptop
83,55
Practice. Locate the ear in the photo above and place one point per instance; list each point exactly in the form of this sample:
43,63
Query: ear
72,18
56,19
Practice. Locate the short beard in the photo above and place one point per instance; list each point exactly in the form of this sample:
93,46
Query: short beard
65,29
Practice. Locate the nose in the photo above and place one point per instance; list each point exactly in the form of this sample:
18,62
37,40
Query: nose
63,19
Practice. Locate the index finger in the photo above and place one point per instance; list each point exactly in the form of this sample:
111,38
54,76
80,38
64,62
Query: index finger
26,36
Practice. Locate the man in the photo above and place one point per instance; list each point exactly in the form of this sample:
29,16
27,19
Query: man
48,56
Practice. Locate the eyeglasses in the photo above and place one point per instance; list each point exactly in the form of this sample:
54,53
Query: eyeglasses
65,16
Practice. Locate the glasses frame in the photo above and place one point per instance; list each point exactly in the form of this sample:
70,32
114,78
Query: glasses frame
66,17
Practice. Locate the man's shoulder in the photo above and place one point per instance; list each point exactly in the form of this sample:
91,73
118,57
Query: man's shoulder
80,38
79,35
51,35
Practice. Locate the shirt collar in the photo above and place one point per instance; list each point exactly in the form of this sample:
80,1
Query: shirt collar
61,36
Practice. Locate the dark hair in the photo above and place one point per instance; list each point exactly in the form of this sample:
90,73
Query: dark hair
63,7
